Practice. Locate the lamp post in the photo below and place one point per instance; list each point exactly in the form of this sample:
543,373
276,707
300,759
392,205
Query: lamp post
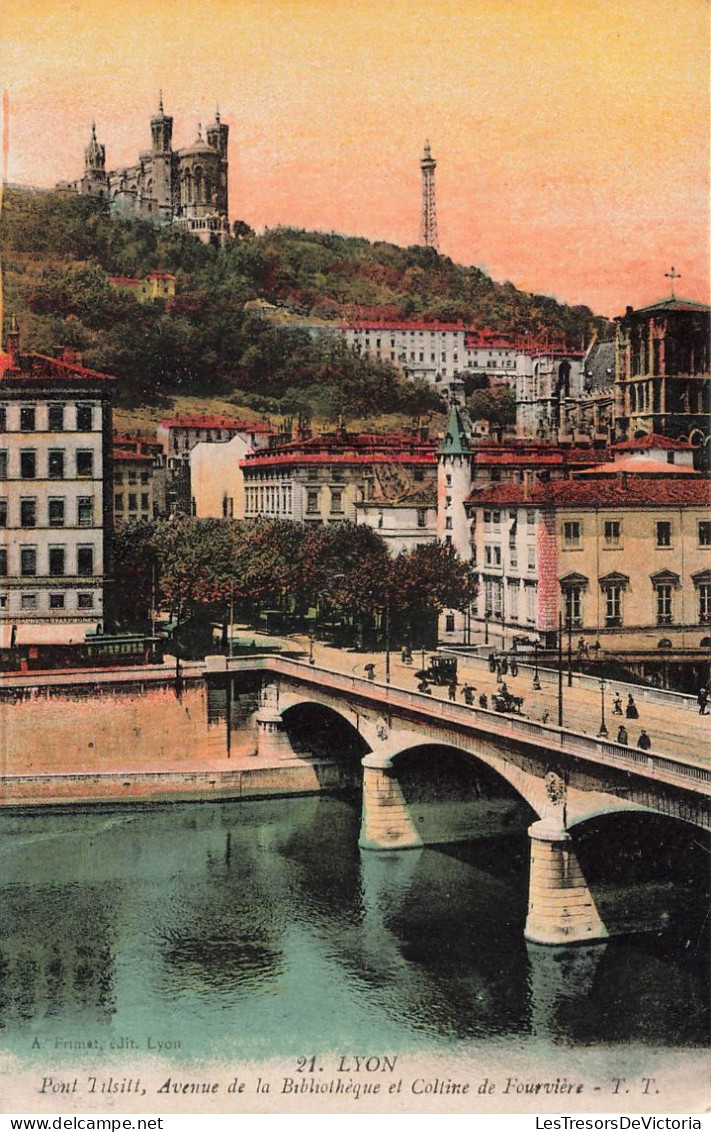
387,637
486,628
603,732
536,682
569,625
311,649
560,669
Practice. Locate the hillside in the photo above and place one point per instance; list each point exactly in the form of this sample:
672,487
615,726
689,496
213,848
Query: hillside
59,251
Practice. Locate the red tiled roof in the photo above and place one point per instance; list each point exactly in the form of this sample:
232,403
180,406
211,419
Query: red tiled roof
634,466
39,367
268,459
209,420
623,491
558,458
370,325
119,454
651,440
125,281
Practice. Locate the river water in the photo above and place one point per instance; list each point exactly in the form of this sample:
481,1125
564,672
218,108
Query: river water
260,930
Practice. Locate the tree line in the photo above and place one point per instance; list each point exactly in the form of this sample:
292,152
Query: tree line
194,569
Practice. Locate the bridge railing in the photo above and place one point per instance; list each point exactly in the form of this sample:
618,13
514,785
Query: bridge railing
661,767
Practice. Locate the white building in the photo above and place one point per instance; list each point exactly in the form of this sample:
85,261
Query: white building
441,352
55,497
217,479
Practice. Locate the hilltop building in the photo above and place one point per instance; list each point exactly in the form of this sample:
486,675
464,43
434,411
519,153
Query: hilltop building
185,187
139,479
55,497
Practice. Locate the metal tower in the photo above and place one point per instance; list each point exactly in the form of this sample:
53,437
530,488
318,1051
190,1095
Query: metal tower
429,204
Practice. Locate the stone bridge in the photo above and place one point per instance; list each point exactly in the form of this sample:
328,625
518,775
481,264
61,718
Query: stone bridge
564,778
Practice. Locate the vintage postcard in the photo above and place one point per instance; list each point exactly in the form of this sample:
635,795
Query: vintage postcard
355,557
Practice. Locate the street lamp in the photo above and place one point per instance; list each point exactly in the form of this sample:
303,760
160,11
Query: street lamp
536,681
487,615
311,648
387,637
603,732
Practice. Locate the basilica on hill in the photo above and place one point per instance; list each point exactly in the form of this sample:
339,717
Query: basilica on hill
185,187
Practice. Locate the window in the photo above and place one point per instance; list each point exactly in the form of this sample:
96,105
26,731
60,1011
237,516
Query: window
85,511
28,601
312,474
419,476
85,415
613,606
664,604
448,480
230,514
448,523
705,533
132,501
27,418
704,590
28,561
55,464
492,555
3,512
85,463
531,604
28,464
3,464
144,477
311,501
56,561
531,518
118,477
85,560
531,557
571,534
3,561
421,517
449,623
55,418
448,500
85,601
496,518
572,597
3,418
612,532
56,601
513,601
336,501
28,512
56,512
132,477
118,501
664,534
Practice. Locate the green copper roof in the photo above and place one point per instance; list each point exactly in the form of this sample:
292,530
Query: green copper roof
455,441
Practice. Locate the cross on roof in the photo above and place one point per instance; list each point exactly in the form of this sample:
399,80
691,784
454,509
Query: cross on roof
673,274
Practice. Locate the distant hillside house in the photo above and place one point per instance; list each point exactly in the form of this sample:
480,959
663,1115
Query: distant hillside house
155,285
185,187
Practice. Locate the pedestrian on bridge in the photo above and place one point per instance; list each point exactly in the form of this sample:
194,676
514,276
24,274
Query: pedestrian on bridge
644,742
622,736
631,709
468,694
703,699
492,662
617,704
453,690
514,666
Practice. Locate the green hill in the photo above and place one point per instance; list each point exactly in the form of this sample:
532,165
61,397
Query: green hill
59,252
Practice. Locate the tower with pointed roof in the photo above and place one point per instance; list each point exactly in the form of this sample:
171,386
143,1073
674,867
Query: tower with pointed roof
454,476
94,182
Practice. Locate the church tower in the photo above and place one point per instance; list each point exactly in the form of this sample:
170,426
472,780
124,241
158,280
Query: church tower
94,180
217,135
162,162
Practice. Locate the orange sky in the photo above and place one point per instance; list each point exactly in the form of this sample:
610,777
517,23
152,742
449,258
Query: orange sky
571,135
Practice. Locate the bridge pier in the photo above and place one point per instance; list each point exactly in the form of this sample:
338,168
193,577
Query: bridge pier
385,823
561,908
272,740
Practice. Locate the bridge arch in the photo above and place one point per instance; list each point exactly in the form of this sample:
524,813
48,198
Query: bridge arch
491,771
320,730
